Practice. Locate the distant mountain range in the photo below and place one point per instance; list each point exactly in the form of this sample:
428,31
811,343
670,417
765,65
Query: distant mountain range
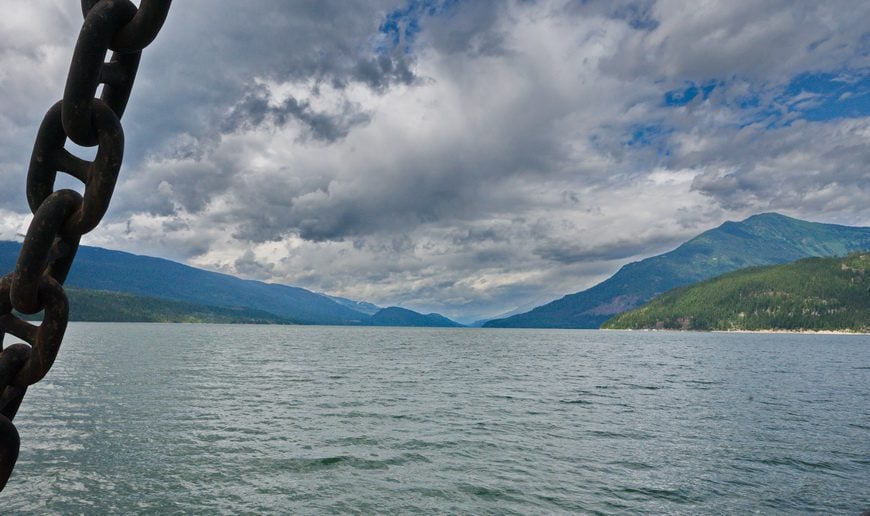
110,285
396,316
359,306
198,294
809,294
764,239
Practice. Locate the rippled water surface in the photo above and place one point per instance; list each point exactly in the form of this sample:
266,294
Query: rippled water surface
170,419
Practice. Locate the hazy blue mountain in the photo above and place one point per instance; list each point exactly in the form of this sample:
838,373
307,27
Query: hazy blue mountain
195,295
116,271
359,306
764,239
518,310
395,316
105,306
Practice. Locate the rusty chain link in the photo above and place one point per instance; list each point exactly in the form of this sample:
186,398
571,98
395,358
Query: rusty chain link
60,218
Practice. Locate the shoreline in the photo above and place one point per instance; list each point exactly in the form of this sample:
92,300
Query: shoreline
801,332
794,332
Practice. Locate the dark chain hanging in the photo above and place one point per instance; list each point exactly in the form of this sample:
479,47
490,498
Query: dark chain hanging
61,217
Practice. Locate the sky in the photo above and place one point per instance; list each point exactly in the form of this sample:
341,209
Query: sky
462,157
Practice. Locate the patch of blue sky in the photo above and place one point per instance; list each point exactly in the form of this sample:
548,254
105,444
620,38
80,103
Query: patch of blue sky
682,96
402,25
655,136
638,15
814,97
826,96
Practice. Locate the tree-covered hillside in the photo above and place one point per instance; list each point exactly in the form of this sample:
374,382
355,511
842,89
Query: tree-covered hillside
105,306
106,285
115,271
809,294
765,239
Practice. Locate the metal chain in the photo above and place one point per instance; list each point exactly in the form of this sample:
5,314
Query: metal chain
60,218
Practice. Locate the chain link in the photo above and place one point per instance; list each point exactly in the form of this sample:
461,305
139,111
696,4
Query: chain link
60,218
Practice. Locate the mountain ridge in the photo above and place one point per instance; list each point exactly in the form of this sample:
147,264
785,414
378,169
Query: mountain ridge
398,316
99,269
810,294
108,306
762,239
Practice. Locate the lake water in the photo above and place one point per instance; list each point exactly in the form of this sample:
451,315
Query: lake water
220,419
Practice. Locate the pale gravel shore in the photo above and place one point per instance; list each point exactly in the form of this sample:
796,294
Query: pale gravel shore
797,332
802,332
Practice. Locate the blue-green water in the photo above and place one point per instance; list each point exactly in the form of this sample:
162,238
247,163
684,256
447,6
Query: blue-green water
214,419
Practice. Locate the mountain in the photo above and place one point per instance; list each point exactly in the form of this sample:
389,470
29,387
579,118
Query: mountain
359,306
396,316
525,307
810,294
764,239
104,270
105,306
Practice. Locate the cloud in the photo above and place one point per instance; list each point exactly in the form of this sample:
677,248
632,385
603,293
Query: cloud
13,225
260,106
757,41
461,157
800,165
